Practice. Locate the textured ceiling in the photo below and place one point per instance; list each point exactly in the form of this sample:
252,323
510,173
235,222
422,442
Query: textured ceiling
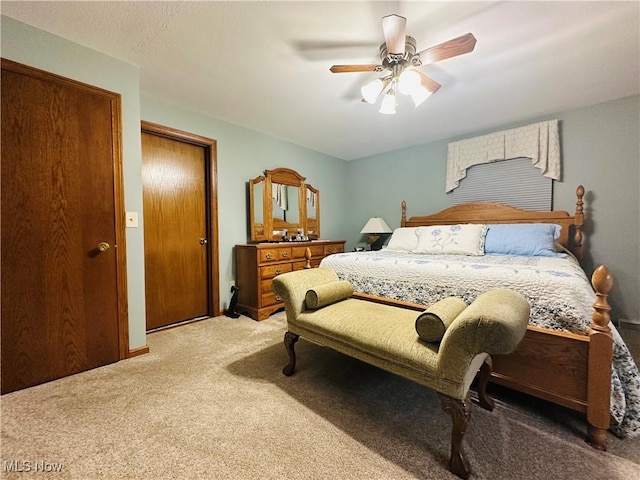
265,65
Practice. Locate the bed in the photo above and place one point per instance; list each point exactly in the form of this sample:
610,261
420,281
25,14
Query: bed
571,355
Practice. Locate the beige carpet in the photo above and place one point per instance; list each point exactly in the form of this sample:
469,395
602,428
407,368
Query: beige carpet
210,402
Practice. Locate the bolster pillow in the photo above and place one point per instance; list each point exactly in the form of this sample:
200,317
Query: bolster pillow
328,293
434,321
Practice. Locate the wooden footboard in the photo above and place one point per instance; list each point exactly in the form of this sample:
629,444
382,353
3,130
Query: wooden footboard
569,370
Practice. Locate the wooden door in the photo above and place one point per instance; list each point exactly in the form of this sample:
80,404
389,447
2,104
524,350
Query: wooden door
63,301
177,232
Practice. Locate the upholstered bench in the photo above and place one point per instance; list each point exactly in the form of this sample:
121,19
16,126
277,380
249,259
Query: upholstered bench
319,308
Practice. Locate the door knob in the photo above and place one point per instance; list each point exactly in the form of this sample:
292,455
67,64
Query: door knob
203,241
103,246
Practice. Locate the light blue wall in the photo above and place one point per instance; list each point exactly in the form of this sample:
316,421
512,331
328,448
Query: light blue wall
600,150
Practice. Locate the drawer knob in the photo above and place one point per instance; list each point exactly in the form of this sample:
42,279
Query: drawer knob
278,272
268,256
285,254
278,298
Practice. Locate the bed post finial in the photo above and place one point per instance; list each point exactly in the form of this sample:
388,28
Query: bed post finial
578,222
602,282
600,358
307,257
403,220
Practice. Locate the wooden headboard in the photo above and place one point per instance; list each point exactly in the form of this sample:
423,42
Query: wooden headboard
488,212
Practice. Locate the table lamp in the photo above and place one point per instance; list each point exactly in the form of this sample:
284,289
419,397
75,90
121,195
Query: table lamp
375,227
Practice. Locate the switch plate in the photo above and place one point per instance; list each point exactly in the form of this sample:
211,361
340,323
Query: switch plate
132,219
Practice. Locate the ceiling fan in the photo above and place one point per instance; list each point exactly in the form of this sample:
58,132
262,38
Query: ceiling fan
398,56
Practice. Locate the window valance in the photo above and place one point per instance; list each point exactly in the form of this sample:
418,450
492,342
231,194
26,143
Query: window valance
540,142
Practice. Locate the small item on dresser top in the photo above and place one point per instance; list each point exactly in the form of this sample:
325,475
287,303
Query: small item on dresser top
434,321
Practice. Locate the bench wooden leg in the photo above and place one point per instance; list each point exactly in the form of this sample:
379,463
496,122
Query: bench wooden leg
290,340
484,399
460,414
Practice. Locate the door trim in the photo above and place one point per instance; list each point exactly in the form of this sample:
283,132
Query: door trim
211,188
115,100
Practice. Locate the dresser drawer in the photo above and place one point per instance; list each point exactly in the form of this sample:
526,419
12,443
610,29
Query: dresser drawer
315,263
330,249
275,254
316,251
273,270
270,298
267,294
300,265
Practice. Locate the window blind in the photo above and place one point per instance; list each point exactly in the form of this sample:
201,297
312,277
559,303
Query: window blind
515,182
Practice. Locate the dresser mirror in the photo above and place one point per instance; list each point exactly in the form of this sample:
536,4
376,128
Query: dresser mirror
283,208
313,211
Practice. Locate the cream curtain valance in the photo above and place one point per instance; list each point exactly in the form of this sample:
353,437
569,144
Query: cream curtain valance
540,142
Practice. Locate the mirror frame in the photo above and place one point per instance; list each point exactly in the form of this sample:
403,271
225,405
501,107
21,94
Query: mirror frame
257,230
270,230
312,227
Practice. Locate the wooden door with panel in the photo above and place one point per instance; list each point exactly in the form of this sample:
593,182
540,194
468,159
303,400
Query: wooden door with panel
180,241
63,252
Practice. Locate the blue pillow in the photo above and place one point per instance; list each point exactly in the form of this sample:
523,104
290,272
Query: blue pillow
531,239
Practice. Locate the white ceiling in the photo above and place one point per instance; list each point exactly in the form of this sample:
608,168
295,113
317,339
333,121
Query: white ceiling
265,65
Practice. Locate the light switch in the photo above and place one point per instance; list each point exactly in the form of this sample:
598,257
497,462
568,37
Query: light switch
132,219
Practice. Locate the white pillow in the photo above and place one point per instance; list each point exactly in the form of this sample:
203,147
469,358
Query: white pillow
465,239
404,239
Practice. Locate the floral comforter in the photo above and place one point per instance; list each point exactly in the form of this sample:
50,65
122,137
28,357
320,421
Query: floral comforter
557,289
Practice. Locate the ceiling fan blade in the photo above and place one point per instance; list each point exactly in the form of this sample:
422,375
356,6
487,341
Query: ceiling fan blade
452,48
429,83
394,29
353,68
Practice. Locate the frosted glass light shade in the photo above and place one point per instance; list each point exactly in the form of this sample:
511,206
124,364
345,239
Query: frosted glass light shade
409,80
419,95
371,90
388,106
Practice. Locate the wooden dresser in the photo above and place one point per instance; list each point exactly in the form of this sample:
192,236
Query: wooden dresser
257,264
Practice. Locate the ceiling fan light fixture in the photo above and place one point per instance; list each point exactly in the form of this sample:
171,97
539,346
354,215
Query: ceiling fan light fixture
419,95
388,106
398,56
408,82
371,90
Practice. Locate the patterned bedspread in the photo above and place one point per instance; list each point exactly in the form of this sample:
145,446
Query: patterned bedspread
557,289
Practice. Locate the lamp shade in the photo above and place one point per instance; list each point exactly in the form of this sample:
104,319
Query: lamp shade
376,225
371,90
388,105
